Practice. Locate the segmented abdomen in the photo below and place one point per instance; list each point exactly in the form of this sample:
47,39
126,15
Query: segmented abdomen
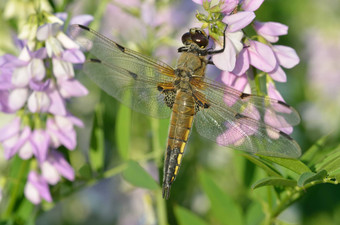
179,131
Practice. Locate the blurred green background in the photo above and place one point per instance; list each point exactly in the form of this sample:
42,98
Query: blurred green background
312,88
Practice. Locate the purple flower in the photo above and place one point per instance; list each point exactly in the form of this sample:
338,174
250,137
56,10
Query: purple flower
228,6
31,82
238,20
227,59
270,30
251,5
37,189
55,166
273,119
61,130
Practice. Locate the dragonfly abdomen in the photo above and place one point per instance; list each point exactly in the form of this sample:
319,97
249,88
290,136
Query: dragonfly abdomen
179,131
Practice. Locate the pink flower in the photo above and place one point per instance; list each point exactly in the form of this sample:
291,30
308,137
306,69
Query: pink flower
40,142
261,56
227,59
270,30
275,119
251,5
37,189
23,80
238,20
286,56
228,6
56,166
61,131
234,81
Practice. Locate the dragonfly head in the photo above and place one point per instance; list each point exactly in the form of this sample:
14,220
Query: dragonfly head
196,36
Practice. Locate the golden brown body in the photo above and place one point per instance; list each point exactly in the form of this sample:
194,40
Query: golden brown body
189,66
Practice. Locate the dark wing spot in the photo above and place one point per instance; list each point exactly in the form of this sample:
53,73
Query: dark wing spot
206,105
244,95
120,47
159,88
133,75
283,103
95,60
285,135
239,116
83,27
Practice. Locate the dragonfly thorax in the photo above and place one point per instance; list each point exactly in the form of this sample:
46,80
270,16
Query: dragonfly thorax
191,65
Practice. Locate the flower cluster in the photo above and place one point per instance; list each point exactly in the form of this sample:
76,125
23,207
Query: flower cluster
241,51
244,55
34,87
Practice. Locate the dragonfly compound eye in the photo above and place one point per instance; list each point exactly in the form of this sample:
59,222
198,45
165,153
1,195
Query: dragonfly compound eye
200,38
186,38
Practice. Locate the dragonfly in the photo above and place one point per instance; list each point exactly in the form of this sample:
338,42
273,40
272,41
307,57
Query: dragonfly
237,120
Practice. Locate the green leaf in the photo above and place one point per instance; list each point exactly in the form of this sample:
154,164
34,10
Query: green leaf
309,177
85,171
318,150
185,216
123,131
294,165
254,214
137,176
96,155
262,164
274,181
331,162
223,207
335,174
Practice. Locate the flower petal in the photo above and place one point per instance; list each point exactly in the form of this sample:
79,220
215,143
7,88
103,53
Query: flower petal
286,55
261,56
227,59
38,102
270,30
67,42
278,74
57,106
26,151
62,69
36,69
234,81
10,129
40,140
17,98
37,188
83,19
238,20
228,6
73,56
21,77
23,138
47,30
72,88
62,166
242,63
251,5
50,173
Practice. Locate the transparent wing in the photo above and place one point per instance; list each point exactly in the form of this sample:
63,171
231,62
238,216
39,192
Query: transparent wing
129,76
241,121
275,113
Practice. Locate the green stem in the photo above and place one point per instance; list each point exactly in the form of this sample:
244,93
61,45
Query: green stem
15,190
296,193
156,149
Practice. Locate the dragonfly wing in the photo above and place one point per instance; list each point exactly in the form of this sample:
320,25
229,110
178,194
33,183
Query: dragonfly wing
241,125
275,113
129,76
